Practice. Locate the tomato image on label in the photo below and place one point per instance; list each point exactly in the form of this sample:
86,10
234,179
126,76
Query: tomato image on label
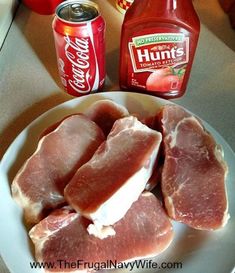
165,79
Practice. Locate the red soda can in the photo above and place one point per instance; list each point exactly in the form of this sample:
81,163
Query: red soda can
78,31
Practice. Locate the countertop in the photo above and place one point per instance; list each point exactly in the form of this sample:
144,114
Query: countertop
7,11
29,82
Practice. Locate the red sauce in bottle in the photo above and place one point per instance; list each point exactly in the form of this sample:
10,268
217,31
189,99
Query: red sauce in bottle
158,43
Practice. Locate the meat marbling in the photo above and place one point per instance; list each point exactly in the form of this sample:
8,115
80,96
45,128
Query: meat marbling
116,174
194,172
145,231
39,184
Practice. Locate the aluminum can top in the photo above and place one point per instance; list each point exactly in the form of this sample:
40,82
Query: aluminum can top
77,11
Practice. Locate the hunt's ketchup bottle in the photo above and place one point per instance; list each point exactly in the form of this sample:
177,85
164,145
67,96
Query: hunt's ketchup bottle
158,43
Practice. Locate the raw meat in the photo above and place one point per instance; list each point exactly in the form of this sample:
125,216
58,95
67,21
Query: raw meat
145,231
104,188
194,172
155,179
38,186
153,123
52,127
105,113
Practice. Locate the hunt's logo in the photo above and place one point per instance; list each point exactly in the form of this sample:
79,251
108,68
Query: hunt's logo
150,52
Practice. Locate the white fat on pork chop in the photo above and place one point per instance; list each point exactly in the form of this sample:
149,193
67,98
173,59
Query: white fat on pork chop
105,187
194,172
144,231
39,184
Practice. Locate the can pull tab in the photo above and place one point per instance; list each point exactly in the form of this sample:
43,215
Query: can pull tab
75,11
78,12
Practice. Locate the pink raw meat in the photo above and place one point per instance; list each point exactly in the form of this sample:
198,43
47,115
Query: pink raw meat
145,231
117,173
155,179
105,113
194,172
39,184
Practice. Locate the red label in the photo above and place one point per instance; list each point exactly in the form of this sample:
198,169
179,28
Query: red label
166,53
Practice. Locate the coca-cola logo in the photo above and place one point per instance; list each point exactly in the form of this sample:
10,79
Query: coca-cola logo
77,52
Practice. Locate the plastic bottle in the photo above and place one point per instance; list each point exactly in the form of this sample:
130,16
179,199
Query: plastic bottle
158,43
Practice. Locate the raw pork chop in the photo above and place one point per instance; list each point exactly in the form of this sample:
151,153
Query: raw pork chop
104,188
52,127
105,113
194,172
39,184
145,231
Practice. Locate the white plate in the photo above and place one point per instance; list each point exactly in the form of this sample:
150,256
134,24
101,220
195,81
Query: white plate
198,251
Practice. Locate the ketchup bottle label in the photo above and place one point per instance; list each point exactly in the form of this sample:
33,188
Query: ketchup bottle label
158,60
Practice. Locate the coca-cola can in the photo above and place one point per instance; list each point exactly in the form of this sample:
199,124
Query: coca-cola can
79,29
